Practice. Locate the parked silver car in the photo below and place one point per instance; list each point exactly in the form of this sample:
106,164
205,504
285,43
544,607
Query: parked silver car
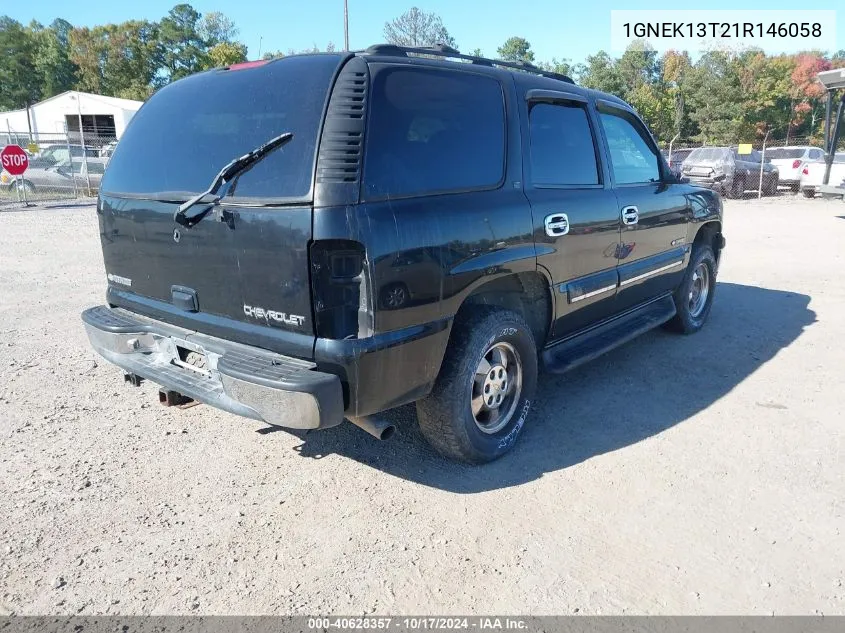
65,177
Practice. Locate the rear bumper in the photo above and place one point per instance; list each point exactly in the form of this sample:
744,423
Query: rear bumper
244,380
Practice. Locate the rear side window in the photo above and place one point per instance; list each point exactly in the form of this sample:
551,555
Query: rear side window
433,131
189,130
782,152
562,149
632,158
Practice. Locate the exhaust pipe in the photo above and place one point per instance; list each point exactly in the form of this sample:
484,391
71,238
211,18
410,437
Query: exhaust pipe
378,428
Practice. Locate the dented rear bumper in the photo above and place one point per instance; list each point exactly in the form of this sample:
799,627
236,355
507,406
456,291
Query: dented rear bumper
248,381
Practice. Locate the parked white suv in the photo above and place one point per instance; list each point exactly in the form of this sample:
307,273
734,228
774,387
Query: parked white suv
791,160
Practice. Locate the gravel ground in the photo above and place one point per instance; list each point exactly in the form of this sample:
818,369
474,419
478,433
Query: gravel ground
679,475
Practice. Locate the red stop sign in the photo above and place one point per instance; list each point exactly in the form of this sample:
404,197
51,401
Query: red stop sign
14,159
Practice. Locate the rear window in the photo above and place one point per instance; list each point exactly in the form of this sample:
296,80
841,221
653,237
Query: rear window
433,131
707,153
190,130
783,152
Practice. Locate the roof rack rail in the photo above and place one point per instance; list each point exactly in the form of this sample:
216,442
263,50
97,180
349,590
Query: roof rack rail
443,50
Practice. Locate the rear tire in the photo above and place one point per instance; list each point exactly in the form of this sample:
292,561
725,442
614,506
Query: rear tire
24,186
694,297
481,398
772,186
809,193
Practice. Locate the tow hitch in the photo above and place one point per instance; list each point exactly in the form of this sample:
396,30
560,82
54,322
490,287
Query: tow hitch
170,398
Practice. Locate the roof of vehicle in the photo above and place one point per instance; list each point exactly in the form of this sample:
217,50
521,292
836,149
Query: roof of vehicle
446,56
523,72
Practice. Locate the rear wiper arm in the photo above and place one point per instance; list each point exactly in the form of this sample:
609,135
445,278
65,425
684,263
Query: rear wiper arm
231,171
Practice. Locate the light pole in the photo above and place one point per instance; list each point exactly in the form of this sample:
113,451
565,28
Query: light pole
345,25
82,143
762,163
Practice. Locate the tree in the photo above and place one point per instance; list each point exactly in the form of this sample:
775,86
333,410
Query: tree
807,93
417,28
85,54
216,28
715,99
562,67
20,81
600,72
638,65
516,49
476,52
183,47
57,73
226,54
765,90
119,60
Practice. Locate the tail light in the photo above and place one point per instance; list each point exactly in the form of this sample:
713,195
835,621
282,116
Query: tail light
796,164
806,170
340,289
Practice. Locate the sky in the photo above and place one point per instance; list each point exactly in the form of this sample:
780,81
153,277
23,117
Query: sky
555,28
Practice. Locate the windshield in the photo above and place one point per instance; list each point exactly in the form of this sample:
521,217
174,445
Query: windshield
189,130
785,152
707,153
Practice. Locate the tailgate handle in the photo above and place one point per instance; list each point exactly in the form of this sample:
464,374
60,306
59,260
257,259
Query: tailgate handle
184,298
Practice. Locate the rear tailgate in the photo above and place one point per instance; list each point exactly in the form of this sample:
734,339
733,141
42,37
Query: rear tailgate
242,273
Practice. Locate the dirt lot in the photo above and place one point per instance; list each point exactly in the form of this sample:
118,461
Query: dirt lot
699,474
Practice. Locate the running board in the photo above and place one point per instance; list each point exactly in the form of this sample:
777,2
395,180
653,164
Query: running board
586,346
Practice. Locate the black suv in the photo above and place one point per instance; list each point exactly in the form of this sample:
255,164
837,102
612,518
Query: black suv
402,225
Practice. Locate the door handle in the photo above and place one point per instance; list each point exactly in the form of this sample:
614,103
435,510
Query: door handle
630,215
557,224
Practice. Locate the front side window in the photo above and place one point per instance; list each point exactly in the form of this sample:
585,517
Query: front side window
632,158
433,131
562,148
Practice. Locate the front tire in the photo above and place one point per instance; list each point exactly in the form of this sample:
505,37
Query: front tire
394,296
481,398
694,297
809,193
737,189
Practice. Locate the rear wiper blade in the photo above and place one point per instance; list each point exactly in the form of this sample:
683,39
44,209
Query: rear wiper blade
211,196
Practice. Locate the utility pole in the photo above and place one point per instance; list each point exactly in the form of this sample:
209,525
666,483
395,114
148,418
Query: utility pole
345,25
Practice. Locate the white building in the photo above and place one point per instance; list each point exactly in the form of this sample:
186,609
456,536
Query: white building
101,117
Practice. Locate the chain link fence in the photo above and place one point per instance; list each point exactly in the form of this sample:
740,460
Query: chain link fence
755,169
69,166
66,166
